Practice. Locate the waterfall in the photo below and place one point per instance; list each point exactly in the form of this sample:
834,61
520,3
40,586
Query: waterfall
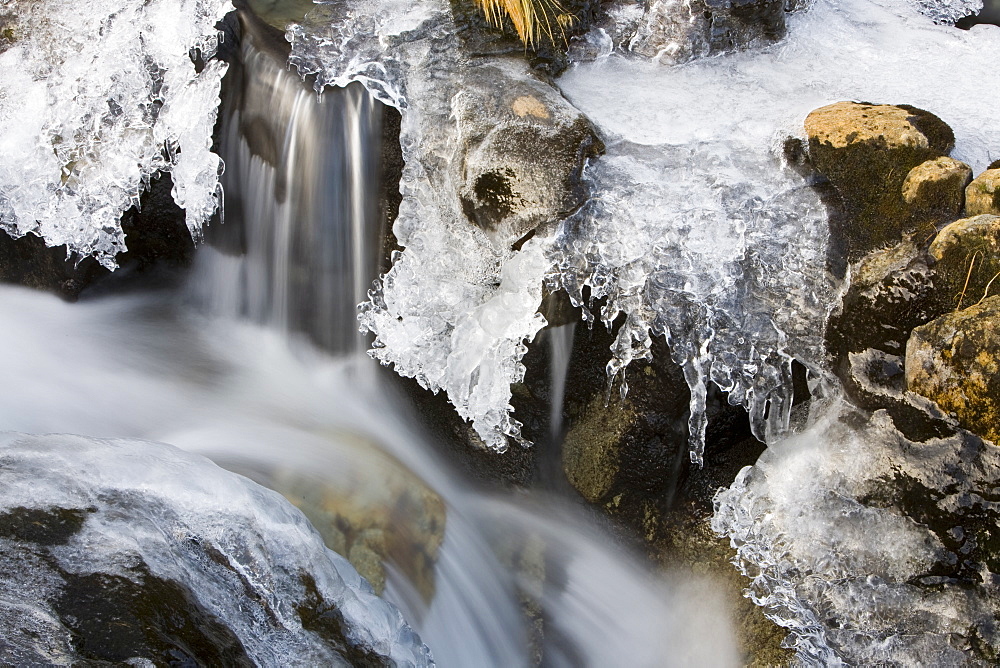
298,248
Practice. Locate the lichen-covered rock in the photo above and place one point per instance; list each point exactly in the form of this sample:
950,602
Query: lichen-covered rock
983,194
523,150
867,151
935,189
968,260
955,361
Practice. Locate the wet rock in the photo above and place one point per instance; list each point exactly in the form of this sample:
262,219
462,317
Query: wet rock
968,260
378,512
891,292
155,235
523,149
935,189
955,361
161,557
672,31
867,151
983,194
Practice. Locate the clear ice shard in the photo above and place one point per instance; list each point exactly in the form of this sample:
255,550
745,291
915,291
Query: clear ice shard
455,309
96,98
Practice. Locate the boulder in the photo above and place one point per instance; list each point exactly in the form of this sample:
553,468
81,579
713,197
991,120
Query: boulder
968,260
935,189
955,361
867,152
523,148
672,31
983,194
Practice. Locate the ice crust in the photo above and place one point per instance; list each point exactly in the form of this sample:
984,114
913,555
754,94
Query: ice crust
94,100
454,310
698,232
146,502
868,547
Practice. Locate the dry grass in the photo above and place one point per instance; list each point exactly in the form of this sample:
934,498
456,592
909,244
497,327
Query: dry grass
533,20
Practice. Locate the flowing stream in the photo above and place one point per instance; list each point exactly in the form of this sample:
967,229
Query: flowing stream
252,360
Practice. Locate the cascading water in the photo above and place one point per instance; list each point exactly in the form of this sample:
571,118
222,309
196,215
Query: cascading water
514,581
299,246
699,232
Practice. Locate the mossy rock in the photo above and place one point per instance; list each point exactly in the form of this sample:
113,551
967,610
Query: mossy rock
967,254
867,152
955,361
935,189
983,194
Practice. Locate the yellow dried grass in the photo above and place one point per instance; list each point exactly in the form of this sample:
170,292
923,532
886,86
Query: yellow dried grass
533,20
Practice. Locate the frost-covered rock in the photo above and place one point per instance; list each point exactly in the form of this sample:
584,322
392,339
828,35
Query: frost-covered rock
96,99
134,552
983,194
458,303
870,548
676,31
955,360
523,147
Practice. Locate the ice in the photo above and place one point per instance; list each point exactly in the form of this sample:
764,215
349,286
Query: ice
455,310
148,506
94,100
870,548
698,232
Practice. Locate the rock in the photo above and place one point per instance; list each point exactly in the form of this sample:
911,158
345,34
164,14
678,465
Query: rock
523,149
935,189
955,361
155,235
968,260
983,194
378,512
890,293
672,31
159,557
867,151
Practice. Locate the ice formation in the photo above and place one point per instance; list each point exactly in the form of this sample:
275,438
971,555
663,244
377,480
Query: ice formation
697,231
870,548
150,508
94,99
455,309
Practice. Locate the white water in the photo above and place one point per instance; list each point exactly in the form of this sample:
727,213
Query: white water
251,397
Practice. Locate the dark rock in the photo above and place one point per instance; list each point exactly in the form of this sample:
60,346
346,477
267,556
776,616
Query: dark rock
523,148
955,361
867,151
673,32
156,235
